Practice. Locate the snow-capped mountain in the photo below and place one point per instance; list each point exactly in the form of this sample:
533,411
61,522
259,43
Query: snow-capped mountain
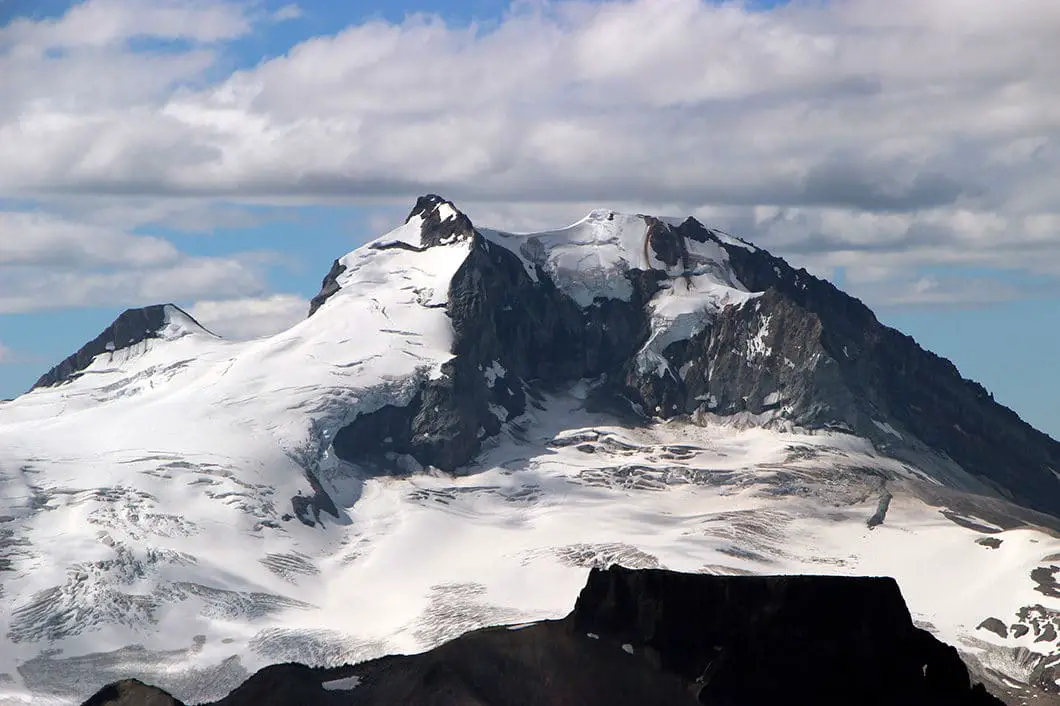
466,422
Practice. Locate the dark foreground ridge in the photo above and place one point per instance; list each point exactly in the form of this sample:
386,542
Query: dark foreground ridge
641,637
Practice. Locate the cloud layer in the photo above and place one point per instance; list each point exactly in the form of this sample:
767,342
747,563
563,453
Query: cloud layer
242,319
882,138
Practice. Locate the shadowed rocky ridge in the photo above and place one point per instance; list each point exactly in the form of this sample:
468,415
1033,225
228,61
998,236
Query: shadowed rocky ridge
655,637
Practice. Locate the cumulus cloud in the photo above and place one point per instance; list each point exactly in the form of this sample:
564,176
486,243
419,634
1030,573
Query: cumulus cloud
247,318
34,288
49,262
108,22
28,238
850,133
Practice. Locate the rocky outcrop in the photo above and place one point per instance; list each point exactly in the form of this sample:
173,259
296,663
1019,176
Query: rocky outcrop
328,287
656,637
131,327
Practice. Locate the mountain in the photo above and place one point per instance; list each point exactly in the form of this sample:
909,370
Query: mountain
466,422
653,637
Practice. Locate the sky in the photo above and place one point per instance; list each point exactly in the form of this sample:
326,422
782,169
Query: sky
219,154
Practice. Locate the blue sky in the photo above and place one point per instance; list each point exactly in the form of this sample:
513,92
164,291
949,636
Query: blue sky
222,155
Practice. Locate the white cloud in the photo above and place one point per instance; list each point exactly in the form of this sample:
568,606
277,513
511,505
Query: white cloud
6,354
649,99
28,238
248,318
853,133
50,262
287,12
25,289
107,22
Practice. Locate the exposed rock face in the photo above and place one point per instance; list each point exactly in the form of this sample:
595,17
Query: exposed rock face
658,637
863,372
131,327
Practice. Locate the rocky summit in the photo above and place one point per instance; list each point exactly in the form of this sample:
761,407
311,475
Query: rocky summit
653,637
466,423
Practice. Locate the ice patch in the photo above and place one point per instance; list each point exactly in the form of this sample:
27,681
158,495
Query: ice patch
756,345
445,211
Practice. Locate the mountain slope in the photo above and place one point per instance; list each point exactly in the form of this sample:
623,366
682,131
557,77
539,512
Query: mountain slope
470,418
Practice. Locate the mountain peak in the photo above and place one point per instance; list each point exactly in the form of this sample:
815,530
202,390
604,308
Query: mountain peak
133,326
441,222
433,221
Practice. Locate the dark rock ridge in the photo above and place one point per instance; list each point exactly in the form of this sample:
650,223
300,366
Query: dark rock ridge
131,327
656,637
803,351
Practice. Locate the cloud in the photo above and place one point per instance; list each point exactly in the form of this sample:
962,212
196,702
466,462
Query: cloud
200,216
852,133
107,22
28,238
248,318
25,289
6,354
287,12
50,262
682,99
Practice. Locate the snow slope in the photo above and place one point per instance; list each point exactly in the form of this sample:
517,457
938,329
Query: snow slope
147,522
